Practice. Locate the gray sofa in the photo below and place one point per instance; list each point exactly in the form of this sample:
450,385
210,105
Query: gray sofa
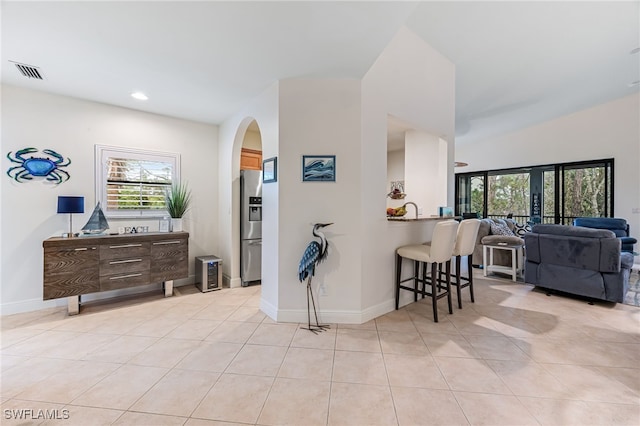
485,236
577,260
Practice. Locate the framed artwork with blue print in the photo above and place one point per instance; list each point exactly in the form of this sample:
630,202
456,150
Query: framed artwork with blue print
318,168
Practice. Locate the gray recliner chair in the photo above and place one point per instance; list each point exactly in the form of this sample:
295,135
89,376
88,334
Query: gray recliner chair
576,260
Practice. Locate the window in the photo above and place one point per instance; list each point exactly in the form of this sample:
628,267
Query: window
508,193
554,193
132,183
470,194
586,190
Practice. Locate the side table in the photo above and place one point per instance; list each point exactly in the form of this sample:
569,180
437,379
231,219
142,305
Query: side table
517,259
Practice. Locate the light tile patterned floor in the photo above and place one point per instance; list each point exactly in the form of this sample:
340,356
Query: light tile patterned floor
515,357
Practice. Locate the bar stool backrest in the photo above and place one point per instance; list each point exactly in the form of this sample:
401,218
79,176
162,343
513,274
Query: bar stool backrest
466,238
443,241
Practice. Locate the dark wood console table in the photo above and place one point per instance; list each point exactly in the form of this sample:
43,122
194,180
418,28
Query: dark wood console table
82,265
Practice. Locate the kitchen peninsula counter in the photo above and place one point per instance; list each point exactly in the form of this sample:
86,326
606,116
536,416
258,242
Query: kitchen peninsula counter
420,219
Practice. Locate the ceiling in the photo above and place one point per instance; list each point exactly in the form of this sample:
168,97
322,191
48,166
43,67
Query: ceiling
517,63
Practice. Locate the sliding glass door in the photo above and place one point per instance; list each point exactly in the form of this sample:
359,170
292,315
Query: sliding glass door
554,193
470,194
586,191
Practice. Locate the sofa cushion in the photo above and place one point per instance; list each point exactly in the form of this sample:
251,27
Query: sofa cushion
520,230
496,239
500,229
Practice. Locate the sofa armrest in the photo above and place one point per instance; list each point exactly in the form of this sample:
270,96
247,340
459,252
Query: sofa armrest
533,247
610,254
626,260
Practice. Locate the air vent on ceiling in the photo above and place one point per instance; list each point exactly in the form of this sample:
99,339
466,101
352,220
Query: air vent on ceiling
29,71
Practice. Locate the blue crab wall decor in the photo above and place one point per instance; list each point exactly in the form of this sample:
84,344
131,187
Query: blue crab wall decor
49,168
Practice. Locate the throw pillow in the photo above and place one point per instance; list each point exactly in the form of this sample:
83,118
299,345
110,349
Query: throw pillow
497,229
520,230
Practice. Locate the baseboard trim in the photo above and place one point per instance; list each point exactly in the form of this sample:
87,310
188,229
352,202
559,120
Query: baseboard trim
30,305
39,304
328,316
235,282
269,310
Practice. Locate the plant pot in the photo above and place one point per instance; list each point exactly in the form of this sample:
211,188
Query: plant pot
176,224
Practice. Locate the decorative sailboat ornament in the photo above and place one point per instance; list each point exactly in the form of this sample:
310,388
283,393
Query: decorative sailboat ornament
97,223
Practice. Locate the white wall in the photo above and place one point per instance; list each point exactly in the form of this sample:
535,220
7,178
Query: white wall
252,140
609,130
425,172
415,83
264,109
72,127
320,117
395,172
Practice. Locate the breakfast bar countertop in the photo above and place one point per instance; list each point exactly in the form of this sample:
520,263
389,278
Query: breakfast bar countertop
408,219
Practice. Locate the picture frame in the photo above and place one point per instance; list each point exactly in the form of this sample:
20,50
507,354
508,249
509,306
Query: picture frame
318,168
445,211
270,170
163,226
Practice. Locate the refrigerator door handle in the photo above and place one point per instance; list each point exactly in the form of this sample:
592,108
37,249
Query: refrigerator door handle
255,243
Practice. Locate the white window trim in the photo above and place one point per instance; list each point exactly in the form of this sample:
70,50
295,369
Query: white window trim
105,151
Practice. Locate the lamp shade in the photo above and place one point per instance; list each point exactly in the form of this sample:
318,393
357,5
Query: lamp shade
70,204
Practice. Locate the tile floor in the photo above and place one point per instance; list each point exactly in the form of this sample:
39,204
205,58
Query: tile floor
515,357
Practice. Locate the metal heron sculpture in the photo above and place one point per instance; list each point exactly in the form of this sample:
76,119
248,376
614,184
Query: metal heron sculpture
315,253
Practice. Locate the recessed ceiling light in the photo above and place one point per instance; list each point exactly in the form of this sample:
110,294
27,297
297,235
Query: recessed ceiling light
139,96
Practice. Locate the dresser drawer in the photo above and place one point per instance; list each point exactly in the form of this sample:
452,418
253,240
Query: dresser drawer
124,280
124,266
123,250
71,283
70,259
169,270
169,249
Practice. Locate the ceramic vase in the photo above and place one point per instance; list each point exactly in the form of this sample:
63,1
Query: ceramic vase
176,224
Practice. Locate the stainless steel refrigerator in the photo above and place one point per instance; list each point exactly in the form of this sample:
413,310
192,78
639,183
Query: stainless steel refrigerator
250,226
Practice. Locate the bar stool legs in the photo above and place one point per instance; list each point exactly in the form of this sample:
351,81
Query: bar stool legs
458,282
465,242
436,253
425,279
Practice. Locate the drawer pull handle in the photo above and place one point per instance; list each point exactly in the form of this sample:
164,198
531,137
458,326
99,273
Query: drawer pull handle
163,243
125,246
125,276
81,249
117,262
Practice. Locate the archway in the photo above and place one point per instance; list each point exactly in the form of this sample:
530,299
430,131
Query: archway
247,155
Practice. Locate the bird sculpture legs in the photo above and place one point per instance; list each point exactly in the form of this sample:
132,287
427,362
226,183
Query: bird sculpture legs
317,327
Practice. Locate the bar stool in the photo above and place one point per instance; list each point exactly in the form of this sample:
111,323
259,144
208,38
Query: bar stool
437,253
465,244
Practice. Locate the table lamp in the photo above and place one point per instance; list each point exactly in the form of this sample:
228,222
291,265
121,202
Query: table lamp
70,205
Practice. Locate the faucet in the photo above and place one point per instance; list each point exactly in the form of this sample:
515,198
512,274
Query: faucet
414,205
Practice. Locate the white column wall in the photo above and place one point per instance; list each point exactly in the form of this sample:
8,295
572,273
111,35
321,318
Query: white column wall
320,117
415,83
609,130
72,127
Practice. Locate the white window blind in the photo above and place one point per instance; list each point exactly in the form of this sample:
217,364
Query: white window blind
133,182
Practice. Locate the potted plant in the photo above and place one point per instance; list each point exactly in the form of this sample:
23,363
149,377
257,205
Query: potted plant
177,202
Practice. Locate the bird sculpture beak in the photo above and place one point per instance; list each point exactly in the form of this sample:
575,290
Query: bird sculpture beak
326,224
